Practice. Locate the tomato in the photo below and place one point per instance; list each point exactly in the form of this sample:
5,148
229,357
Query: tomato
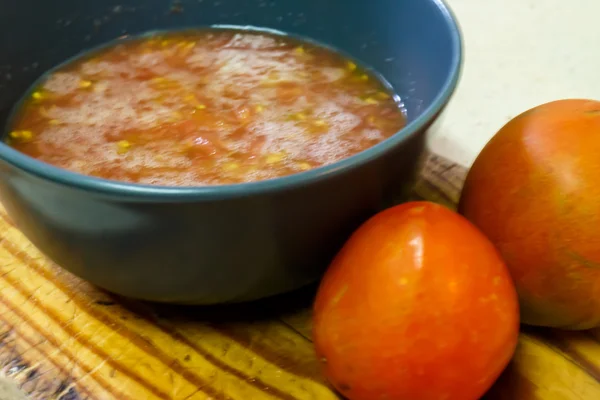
535,192
417,305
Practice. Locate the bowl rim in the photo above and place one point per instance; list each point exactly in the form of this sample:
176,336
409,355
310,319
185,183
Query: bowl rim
136,191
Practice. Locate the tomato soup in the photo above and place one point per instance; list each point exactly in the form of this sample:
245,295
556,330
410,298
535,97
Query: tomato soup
204,107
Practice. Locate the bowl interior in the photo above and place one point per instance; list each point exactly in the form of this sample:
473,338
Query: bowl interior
414,45
411,43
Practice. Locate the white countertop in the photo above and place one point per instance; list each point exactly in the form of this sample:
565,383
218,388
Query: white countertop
518,54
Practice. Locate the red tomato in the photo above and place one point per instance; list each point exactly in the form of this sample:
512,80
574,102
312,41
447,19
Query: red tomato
534,192
418,305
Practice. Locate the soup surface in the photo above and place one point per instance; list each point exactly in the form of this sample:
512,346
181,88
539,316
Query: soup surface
204,107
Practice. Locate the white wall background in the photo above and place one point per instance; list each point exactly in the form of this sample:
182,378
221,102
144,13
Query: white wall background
518,54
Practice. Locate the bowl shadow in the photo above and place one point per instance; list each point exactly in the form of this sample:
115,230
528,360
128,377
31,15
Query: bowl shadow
268,308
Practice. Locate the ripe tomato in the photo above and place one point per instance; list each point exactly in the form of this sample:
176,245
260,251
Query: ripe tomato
534,191
417,305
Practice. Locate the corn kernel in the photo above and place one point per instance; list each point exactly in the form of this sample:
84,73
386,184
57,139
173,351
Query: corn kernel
304,166
274,158
22,136
299,50
259,108
84,84
383,95
37,95
299,116
319,122
370,100
54,122
351,66
364,77
123,146
200,107
230,166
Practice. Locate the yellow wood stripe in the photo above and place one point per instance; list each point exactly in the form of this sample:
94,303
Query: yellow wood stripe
555,376
24,358
38,357
233,353
66,351
202,342
301,322
273,340
107,351
580,347
205,343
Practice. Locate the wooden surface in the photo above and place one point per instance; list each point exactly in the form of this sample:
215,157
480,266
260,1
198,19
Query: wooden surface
60,338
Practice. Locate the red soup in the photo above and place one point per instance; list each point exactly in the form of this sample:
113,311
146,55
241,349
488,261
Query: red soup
205,107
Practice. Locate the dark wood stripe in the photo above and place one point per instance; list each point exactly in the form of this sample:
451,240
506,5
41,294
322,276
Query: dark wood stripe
432,189
56,365
297,331
254,381
51,339
280,360
439,167
548,338
143,345
512,385
123,330
594,334
561,341
8,220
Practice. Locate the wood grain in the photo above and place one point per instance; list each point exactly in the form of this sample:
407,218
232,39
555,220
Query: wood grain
63,339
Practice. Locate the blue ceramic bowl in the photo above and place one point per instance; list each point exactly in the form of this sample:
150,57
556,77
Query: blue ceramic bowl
207,245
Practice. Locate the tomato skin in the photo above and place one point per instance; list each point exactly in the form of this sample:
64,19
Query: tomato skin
417,305
534,192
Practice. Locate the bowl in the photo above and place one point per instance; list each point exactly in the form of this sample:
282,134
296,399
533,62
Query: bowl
230,243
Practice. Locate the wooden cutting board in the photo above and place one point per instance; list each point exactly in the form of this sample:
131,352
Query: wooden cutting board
62,339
